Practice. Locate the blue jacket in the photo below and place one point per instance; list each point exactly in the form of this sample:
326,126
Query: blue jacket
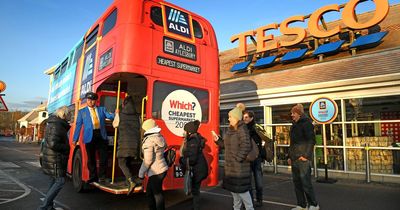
85,119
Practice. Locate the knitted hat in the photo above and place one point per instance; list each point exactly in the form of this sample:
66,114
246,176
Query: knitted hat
298,108
148,124
192,127
241,106
236,113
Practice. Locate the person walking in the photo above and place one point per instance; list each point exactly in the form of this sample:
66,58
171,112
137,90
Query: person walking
302,141
128,141
237,172
92,118
192,150
55,154
256,165
154,164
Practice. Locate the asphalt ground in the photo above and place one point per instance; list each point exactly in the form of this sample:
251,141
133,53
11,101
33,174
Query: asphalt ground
22,185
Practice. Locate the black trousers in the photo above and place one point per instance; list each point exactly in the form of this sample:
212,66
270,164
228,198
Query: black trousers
196,195
123,163
154,192
99,144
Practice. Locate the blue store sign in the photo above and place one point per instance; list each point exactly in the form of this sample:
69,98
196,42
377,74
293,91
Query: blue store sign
323,110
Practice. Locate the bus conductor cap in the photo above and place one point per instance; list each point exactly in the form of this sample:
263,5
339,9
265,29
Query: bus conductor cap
91,95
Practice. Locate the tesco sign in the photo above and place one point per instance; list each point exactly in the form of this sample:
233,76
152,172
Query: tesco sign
267,42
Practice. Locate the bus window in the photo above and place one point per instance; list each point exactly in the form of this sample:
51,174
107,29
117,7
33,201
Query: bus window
156,15
162,90
198,32
63,66
57,73
78,52
70,59
110,21
91,38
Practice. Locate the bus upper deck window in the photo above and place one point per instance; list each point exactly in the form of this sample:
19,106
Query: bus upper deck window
91,38
156,15
110,21
198,32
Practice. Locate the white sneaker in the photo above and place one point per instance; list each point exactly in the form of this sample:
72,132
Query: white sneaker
299,208
314,207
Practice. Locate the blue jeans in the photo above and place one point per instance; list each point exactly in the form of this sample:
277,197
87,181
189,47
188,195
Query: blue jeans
55,187
301,173
256,169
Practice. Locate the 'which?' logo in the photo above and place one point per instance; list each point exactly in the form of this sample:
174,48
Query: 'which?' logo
177,22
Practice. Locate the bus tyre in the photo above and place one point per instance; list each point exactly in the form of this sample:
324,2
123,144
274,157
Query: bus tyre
77,172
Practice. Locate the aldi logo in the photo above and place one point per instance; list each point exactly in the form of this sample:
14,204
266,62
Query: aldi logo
177,23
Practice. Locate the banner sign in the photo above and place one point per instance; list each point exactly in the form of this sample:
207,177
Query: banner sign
177,23
87,76
323,110
180,49
179,108
177,65
61,90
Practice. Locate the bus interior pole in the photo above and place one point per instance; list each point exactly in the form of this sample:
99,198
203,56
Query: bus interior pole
115,134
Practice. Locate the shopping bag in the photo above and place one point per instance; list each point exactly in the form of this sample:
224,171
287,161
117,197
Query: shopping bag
187,182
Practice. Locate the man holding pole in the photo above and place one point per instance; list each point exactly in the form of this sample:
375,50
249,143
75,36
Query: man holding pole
302,141
92,118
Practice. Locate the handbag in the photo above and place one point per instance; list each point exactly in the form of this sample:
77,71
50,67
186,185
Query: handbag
253,154
187,182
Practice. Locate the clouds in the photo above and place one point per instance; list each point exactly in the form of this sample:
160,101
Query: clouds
26,105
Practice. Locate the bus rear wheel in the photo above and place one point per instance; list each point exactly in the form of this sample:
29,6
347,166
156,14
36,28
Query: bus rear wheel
77,172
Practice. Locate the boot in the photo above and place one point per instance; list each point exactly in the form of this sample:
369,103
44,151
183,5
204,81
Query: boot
131,186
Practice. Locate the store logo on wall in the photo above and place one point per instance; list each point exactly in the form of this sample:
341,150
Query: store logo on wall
177,23
323,110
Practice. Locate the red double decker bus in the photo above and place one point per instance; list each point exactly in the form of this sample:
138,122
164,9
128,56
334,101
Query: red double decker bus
166,58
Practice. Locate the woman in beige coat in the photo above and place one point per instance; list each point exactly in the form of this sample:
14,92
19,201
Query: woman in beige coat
154,165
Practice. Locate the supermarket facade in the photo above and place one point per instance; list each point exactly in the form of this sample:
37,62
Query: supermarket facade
358,68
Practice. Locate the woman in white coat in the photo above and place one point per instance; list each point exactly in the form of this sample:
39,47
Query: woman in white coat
154,165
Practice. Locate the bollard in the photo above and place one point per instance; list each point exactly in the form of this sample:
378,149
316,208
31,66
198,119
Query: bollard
315,164
275,165
367,166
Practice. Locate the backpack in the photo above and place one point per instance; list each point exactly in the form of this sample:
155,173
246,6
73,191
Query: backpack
169,156
253,154
268,143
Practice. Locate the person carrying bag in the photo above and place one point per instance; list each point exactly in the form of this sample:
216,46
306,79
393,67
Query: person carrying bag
193,161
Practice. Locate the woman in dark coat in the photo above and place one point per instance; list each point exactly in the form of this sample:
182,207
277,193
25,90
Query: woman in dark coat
128,140
237,145
55,154
192,150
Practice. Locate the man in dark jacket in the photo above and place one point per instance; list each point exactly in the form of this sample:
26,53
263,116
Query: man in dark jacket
192,150
55,154
128,141
302,141
256,168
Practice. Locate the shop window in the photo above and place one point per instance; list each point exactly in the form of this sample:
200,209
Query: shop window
110,21
335,159
385,108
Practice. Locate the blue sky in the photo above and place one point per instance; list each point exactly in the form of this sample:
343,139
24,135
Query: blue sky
37,34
